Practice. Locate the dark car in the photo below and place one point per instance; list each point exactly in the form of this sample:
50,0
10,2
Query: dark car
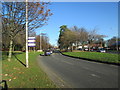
101,50
47,52
93,50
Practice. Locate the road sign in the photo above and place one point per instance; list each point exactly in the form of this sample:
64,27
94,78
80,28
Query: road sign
31,38
31,42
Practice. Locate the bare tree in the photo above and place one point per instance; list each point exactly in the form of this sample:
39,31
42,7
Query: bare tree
19,42
81,36
14,20
93,37
114,42
44,41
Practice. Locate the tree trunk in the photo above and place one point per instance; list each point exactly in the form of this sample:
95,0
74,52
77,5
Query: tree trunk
13,48
82,47
101,44
71,48
76,47
89,47
117,48
10,50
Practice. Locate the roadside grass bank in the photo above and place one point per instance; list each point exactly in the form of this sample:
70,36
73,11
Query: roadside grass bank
17,75
96,56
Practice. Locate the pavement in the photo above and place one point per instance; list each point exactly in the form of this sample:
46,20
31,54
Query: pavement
67,72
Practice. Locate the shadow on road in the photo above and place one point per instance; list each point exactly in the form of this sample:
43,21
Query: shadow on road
19,60
56,51
41,54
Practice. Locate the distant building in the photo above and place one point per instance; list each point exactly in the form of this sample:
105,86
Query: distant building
115,46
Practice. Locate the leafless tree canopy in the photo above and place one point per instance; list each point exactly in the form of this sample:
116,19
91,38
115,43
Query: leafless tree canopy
44,41
14,18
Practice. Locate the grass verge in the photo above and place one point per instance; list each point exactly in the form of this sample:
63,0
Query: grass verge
18,76
105,57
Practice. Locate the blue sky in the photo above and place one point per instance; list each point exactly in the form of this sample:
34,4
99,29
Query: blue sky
100,15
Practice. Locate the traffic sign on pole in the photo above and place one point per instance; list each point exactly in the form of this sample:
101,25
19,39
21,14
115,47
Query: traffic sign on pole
31,42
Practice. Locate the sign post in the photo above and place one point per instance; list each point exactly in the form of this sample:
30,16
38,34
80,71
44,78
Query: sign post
27,33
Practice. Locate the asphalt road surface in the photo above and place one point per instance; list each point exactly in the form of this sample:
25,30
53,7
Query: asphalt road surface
67,72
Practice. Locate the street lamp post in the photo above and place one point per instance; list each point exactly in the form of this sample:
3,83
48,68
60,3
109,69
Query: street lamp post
40,42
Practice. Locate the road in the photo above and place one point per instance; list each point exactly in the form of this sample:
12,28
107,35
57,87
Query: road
67,72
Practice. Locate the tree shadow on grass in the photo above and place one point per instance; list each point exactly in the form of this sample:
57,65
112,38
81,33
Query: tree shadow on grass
5,87
19,60
5,54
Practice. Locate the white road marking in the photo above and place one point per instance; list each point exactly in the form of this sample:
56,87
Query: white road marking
68,62
95,75
114,66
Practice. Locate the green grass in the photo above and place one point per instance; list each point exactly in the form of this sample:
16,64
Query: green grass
113,58
18,76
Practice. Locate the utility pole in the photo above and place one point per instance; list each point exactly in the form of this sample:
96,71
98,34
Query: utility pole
117,44
27,34
40,43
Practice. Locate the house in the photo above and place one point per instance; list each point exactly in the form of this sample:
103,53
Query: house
115,45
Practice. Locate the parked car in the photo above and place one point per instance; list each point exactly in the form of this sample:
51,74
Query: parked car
93,50
47,53
51,51
86,49
101,50
79,49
